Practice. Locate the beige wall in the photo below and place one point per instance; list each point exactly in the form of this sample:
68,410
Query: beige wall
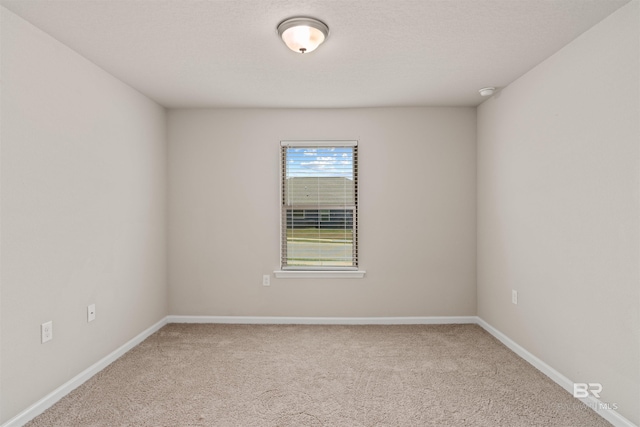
558,210
417,212
83,173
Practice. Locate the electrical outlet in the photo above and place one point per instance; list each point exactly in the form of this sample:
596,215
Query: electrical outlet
514,296
46,330
266,280
91,312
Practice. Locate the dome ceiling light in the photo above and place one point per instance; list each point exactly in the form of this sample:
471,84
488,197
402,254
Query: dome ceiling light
303,35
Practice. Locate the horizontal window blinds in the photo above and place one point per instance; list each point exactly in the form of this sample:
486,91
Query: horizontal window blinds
319,205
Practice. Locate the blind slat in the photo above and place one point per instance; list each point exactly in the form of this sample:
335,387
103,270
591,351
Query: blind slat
318,143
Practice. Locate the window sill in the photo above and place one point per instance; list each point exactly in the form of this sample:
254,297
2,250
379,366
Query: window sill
317,274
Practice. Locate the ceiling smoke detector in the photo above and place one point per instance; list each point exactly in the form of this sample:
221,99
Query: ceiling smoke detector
303,35
487,91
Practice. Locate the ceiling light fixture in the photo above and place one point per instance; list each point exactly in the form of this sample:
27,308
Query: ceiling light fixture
303,35
487,91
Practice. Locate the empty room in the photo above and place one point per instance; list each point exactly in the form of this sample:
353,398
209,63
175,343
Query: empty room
320,213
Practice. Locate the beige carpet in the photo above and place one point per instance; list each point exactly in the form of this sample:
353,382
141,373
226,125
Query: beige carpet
286,375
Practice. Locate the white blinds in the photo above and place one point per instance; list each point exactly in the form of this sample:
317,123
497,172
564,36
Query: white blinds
319,205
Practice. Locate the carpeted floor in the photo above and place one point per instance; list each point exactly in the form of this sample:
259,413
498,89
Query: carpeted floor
303,375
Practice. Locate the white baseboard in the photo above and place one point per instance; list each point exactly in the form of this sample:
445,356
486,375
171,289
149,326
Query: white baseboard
46,402
275,320
608,414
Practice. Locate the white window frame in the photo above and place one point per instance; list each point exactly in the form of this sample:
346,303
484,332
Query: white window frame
311,272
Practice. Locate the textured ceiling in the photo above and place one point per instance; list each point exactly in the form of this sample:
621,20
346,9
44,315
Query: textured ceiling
226,53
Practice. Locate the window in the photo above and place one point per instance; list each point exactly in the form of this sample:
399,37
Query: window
319,205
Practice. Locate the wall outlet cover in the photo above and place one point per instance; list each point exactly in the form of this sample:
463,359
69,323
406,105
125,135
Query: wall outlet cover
46,330
91,312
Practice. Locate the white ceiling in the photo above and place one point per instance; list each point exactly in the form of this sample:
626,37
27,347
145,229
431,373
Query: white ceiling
226,53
